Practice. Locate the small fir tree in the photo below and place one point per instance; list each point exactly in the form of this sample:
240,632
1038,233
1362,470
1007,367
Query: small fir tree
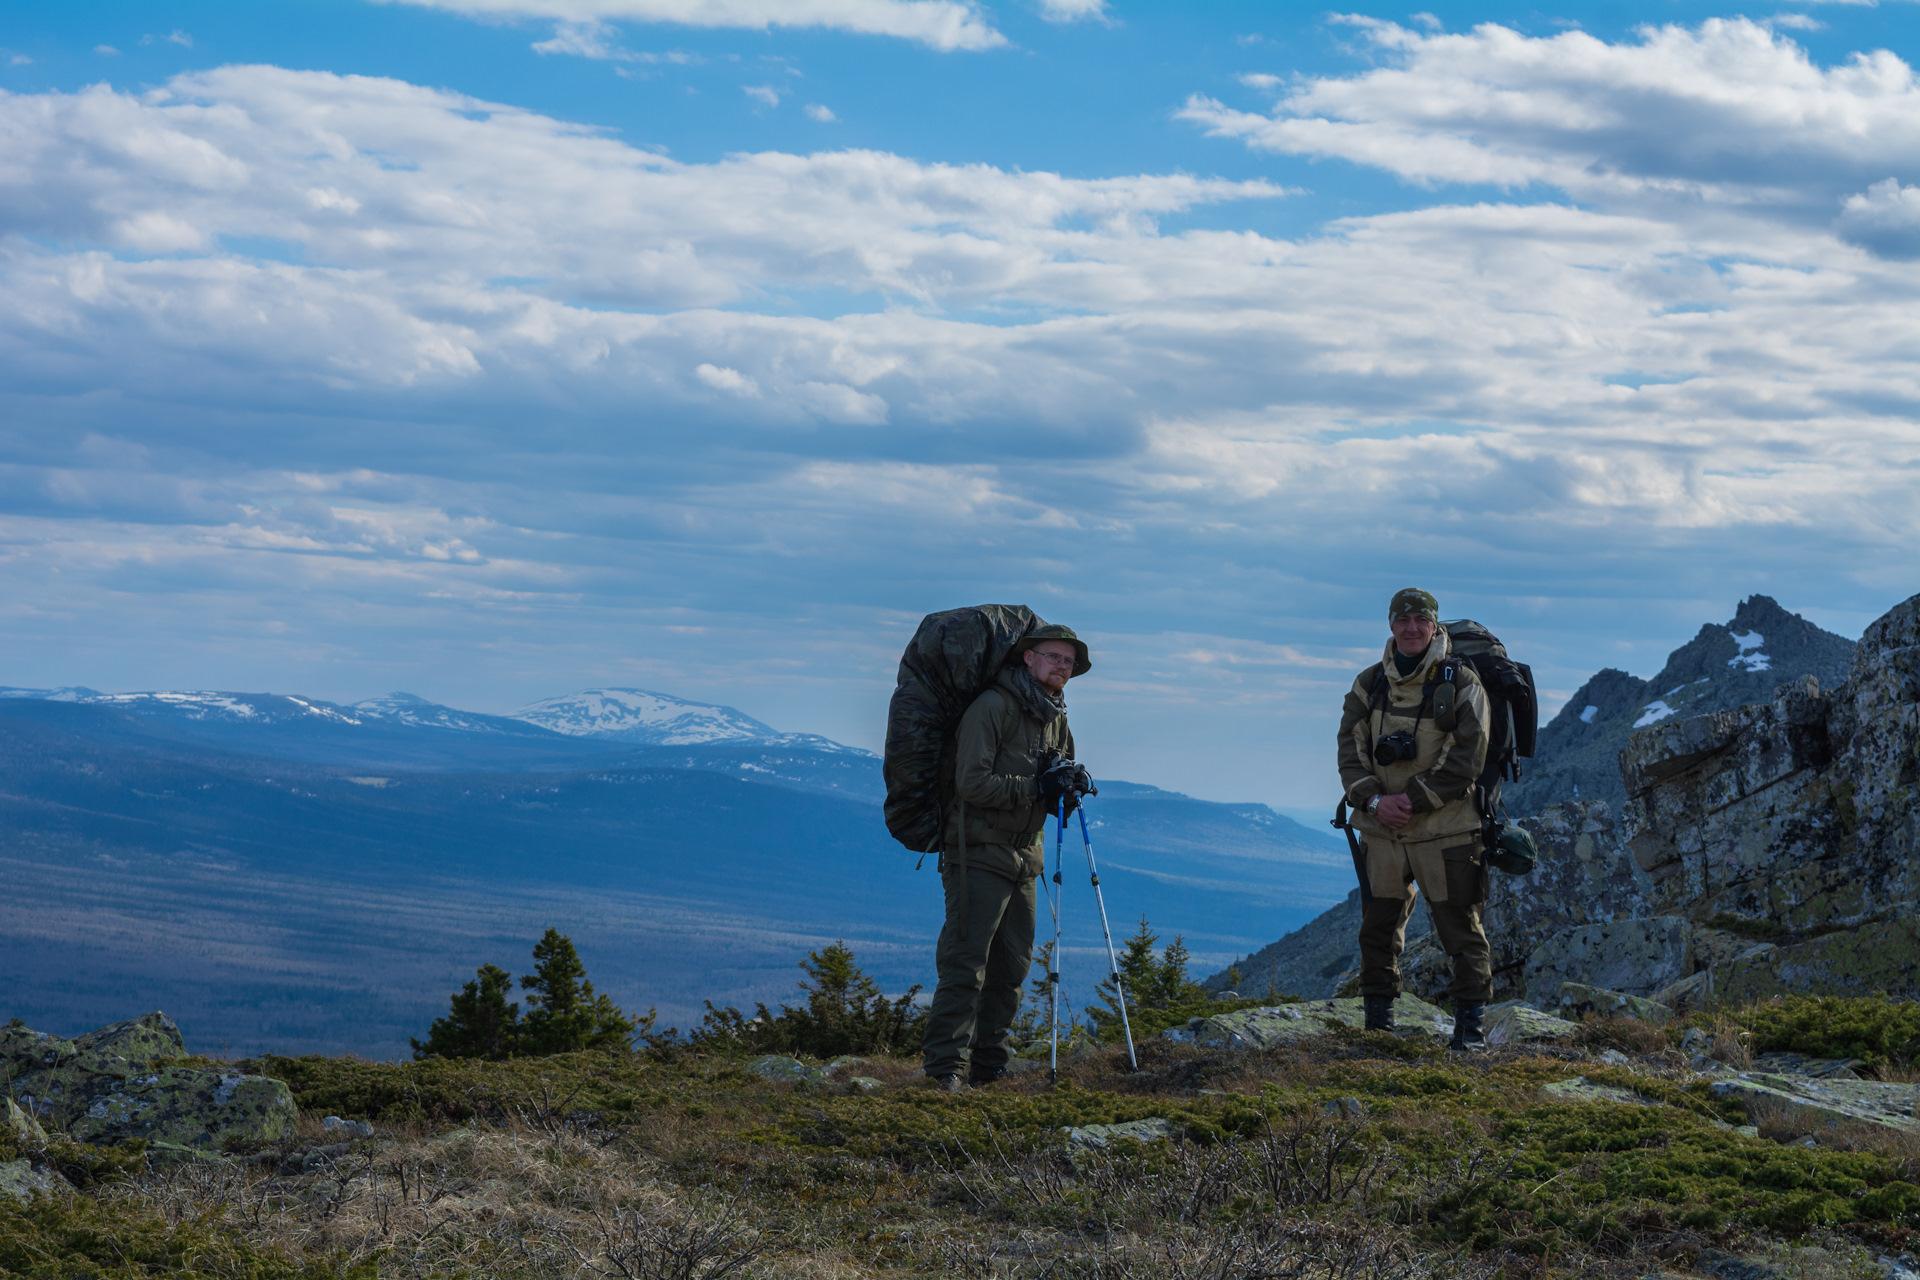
564,1014
481,1023
1152,981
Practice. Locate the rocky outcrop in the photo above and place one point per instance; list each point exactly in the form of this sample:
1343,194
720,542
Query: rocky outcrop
1723,667
131,1080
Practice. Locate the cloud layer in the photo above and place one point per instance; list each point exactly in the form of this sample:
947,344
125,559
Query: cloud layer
942,24
362,368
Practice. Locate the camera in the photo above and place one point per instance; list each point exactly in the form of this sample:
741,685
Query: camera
1394,748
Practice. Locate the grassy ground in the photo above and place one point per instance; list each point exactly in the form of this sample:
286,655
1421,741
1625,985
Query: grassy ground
1349,1156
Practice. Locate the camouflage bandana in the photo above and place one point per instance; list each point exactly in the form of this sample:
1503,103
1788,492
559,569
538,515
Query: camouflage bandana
1413,602
1044,706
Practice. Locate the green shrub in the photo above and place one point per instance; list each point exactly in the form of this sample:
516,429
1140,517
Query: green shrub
1875,1030
845,1013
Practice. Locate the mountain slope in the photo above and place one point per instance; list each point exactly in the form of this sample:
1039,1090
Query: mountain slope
1721,668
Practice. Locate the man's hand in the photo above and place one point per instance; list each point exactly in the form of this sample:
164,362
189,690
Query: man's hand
1395,811
1064,778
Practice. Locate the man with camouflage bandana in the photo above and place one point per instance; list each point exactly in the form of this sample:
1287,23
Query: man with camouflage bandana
1410,751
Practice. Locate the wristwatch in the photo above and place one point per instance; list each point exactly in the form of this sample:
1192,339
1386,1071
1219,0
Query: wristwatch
1373,805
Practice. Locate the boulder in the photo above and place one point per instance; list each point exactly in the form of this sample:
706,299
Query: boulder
129,1080
1637,957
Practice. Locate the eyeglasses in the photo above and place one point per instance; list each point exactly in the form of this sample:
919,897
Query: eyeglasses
1057,659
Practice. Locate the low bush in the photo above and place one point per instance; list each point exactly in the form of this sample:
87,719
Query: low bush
1879,1032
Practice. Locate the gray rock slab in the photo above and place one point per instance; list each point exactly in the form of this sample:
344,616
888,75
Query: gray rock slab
1817,1103
1513,1022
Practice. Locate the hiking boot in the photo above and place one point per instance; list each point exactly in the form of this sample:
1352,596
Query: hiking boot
1379,1013
978,1078
1469,1036
949,1083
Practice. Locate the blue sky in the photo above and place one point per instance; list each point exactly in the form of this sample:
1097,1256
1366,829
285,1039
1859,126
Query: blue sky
492,349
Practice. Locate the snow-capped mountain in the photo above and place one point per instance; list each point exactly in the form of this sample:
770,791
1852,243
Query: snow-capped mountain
639,715
1723,666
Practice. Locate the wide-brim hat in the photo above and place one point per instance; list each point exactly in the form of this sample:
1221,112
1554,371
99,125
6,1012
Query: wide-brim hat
1082,661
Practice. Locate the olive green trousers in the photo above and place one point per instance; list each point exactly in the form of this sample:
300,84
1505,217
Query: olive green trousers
1383,935
982,961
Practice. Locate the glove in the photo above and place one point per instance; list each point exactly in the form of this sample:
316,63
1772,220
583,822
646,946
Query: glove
1064,779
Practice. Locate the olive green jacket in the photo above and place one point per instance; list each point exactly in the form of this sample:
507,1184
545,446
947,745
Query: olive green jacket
997,753
1440,776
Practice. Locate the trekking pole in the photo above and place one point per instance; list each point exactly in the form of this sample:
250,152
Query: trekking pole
1113,961
1053,956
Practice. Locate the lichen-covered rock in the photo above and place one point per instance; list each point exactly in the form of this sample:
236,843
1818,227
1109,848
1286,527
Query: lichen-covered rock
1272,1025
1578,1001
1513,1022
1638,957
19,1179
1817,1103
1873,958
778,1067
127,1081
1581,1089
1085,1139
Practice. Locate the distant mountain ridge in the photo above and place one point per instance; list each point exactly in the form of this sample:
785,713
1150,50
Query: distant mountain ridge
294,874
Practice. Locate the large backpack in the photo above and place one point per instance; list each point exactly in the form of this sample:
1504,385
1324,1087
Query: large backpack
1513,705
952,659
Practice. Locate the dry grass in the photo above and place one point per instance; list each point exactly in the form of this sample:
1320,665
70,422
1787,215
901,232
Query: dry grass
510,1200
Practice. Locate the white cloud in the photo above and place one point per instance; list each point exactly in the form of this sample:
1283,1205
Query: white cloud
731,380
106,51
823,114
590,39
763,93
943,24
1885,219
1072,10
1795,22
1729,115
180,38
